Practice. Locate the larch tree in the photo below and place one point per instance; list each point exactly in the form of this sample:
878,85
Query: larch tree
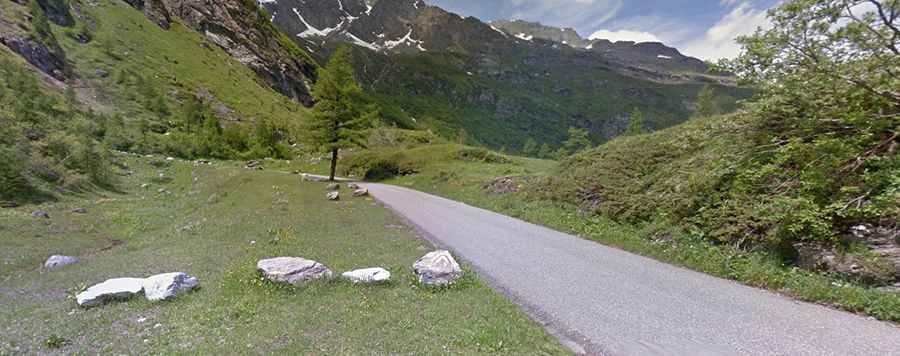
636,123
341,114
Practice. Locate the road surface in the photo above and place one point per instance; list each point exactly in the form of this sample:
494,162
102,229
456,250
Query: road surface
601,300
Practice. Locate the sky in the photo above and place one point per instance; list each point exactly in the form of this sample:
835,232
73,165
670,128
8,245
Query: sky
701,28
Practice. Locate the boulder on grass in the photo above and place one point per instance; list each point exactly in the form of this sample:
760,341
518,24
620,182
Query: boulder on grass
333,196
437,268
368,275
59,261
352,186
360,192
168,285
113,289
40,214
292,270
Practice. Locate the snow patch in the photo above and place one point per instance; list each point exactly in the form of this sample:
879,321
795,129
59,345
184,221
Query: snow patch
523,36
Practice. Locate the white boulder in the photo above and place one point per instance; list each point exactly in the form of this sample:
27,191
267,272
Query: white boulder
437,268
292,270
368,275
360,192
333,196
168,285
117,288
59,261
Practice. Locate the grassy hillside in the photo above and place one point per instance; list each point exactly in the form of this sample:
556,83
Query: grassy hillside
215,222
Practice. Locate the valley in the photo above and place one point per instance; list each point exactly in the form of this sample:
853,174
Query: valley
140,137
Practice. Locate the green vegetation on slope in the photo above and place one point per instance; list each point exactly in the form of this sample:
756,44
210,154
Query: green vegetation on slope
205,223
506,109
152,78
46,141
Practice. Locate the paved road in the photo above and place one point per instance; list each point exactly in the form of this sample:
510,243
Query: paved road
601,300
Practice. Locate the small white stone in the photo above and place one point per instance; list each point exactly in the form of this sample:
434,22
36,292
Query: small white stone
116,288
59,261
168,285
368,275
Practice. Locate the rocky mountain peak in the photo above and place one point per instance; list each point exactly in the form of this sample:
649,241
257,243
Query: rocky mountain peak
528,30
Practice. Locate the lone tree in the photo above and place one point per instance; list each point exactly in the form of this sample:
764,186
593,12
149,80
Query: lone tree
706,102
579,140
530,148
341,113
636,124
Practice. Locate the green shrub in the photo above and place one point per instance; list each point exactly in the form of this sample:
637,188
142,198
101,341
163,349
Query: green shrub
378,165
480,155
13,184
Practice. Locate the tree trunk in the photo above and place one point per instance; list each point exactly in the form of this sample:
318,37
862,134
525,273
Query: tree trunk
334,159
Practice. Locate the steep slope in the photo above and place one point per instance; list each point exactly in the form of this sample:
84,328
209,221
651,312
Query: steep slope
242,30
433,69
165,85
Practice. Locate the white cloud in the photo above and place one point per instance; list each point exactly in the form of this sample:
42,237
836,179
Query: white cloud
625,35
719,40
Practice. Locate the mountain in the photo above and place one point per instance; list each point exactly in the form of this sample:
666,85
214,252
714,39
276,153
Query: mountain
502,82
529,30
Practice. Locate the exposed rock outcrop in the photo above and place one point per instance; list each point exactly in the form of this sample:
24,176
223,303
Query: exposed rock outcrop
50,61
57,11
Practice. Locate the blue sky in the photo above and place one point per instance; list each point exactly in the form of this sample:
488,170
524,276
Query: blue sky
701,28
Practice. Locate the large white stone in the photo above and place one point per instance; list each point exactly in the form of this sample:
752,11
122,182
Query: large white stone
437,268
368,275
116,288
333,195
168,285
59,261
292,270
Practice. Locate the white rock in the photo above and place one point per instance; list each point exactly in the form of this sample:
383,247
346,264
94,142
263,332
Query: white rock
360,192
333,195
292,270
117,288
59,261
168,285
368,275
437,268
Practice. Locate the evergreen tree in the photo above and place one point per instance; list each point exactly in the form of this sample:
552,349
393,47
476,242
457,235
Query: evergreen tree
578,141
530,148
545,152
560,153
636,124
462,136
706,102
341,113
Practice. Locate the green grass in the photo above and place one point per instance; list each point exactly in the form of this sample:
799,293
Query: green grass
204,227
463,181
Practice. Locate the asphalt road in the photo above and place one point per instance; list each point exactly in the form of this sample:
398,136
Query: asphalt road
601,300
